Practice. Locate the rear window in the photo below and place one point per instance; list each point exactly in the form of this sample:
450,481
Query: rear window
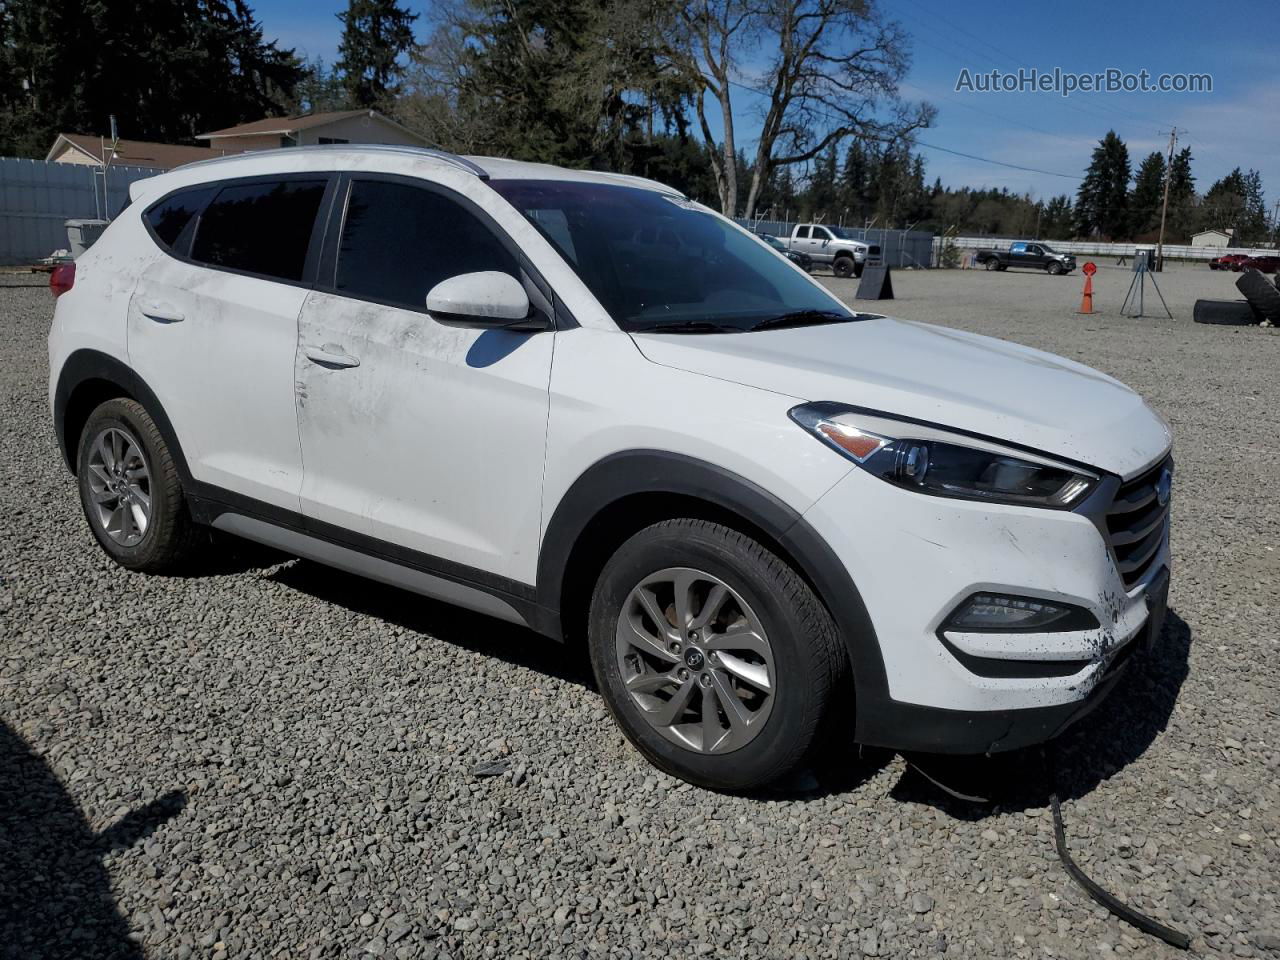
262,227
170,216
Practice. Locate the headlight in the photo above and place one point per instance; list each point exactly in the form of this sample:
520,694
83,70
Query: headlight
927,464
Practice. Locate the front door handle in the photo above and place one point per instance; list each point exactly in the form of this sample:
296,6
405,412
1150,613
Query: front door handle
331,356
161,313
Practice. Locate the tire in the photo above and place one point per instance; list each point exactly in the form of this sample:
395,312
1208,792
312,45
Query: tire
800,656
121,434
992,264
1261,293
843,267
1232,313
1054,268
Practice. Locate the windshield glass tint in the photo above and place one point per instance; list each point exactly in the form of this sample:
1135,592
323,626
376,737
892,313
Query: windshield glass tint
654,260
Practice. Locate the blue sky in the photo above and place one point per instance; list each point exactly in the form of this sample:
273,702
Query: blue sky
1238,124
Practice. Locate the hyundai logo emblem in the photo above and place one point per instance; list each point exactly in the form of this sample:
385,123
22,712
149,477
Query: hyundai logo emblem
1164,486
693,658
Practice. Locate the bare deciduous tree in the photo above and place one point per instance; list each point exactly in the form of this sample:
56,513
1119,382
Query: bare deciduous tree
831,70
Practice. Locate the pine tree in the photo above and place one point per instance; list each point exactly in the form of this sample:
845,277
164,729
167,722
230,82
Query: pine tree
855,184
166,69
1148,194
1181,219
1058,219
1102,207
375,34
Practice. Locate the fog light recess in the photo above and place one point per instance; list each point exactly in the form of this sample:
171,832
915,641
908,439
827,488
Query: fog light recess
997,612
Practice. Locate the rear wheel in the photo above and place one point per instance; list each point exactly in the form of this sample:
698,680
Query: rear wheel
130,489
714,656
992,264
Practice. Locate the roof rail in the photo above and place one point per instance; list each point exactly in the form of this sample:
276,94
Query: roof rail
451,158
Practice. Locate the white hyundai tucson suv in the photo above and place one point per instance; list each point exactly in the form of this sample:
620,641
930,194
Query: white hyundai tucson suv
587,404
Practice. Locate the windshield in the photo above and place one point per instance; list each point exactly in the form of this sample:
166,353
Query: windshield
841,233
1047,249
656,261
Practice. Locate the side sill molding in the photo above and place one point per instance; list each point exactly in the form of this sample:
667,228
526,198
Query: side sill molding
362,564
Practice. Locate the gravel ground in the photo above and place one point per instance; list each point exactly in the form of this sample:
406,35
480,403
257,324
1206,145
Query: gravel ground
269,759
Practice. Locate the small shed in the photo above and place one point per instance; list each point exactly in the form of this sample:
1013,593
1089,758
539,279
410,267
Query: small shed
1212,238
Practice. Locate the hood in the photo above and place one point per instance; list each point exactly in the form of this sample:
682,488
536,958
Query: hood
943,376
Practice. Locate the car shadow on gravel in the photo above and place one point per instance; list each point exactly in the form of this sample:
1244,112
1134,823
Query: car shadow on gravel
475,632
55,893
1117,733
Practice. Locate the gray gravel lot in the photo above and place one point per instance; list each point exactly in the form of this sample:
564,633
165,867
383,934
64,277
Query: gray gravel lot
268,759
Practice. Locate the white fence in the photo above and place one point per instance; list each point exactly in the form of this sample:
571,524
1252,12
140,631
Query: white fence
37,198
1172,251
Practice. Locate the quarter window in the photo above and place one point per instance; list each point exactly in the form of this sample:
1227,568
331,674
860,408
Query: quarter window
260,227
170,216
399,241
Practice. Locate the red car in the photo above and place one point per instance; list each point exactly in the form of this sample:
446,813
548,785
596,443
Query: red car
1267,264
1230,261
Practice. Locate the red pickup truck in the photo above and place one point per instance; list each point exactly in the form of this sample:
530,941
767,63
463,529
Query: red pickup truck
1228,261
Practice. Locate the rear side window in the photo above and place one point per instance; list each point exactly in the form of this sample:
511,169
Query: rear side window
802,233
170,216
262,227
399,241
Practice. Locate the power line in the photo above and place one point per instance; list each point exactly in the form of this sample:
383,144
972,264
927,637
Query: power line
930,146
999,163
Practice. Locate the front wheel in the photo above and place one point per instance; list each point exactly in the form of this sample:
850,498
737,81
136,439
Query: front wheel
715,658
130,489
843,267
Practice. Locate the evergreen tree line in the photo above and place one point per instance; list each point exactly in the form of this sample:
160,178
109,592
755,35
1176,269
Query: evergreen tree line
581,83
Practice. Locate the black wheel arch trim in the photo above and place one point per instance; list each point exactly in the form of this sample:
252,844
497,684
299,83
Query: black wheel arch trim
635,472
87,365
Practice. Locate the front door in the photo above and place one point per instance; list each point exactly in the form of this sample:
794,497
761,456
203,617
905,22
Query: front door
213,329
417,433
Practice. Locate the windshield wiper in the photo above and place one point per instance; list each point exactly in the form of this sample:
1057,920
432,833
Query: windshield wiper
688,326
800,318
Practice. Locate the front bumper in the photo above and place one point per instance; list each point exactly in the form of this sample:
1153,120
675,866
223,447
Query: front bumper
915,558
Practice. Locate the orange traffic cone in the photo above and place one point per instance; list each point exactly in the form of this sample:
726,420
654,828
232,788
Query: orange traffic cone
1086,302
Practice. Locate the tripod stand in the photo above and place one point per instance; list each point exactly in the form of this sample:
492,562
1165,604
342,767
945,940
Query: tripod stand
1134,299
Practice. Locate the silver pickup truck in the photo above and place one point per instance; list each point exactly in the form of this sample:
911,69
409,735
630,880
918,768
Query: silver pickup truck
833,247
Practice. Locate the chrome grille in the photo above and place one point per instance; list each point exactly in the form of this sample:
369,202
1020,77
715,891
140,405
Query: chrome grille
1137,524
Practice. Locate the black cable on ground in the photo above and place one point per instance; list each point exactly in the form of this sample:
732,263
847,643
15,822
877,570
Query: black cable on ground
1175,938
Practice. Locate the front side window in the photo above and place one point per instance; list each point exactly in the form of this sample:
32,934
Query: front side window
262,227
170,216
400,240
820,233
657,261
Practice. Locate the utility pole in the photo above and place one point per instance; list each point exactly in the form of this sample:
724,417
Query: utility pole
1164,207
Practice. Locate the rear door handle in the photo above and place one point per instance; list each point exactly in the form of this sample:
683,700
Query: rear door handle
161,313
331,356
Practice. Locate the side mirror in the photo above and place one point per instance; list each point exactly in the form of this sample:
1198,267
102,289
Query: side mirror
487,298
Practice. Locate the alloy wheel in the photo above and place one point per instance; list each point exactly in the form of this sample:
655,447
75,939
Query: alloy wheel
120,486
695,660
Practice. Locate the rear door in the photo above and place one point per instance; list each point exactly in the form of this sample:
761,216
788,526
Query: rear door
422,434
1018,255
213,327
